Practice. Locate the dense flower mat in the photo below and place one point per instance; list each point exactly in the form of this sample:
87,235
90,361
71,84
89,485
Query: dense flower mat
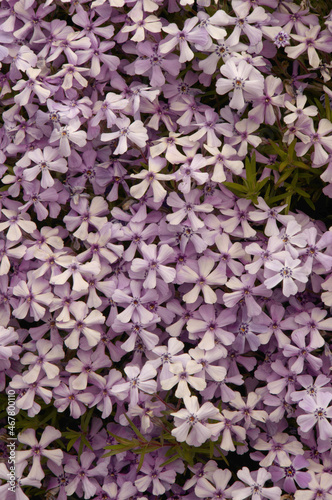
166,258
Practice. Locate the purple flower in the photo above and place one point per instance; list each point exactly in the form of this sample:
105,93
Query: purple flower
38,450
255,488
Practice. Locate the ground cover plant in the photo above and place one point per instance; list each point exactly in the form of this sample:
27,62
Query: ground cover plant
166,253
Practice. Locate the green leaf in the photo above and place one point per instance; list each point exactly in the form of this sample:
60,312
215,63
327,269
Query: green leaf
291,150
278,150
250,165
133,426
233,186
170,460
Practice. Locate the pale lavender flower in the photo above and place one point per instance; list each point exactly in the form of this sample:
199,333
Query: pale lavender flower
16,223
243,22
20,481
86,323
191,424
32,294
183,373
279,446
134,132
66,396
182,37
317,412
67,134
216,486
47,355
157,475
85,474
187,208
245,81
245,291
38,450
311,40
139,379
211,327
319,487
292,474
255,488
204,277
151,178
286,270
153,264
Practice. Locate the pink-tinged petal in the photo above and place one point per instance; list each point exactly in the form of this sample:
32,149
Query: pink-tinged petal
192,296
306,422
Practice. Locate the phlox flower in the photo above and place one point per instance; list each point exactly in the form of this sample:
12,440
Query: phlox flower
312,388
271,215
27,392
243,22
20,481
32,294
266,107
151,178
247,409
154,62
137,308
154,474
224,159
280,446
203,277
85,215
8,336
84,323
317,412
47,355
190,171
186,209
245,81
299,109
244,136
153,263
38,450
319,487
86,364
182,37
210,326
239,215
191,423
292,474
83,475
216,486
105,109
311,39
300,352
32,85
255,488
66,396
138,379
45,160
183,373
134,132
206,358
16,223
286,270
67,134
244,290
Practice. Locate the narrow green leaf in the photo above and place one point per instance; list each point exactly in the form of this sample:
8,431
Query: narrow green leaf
278,150
291,149
237,187
133,426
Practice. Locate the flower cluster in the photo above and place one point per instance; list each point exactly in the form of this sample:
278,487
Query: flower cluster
165,291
